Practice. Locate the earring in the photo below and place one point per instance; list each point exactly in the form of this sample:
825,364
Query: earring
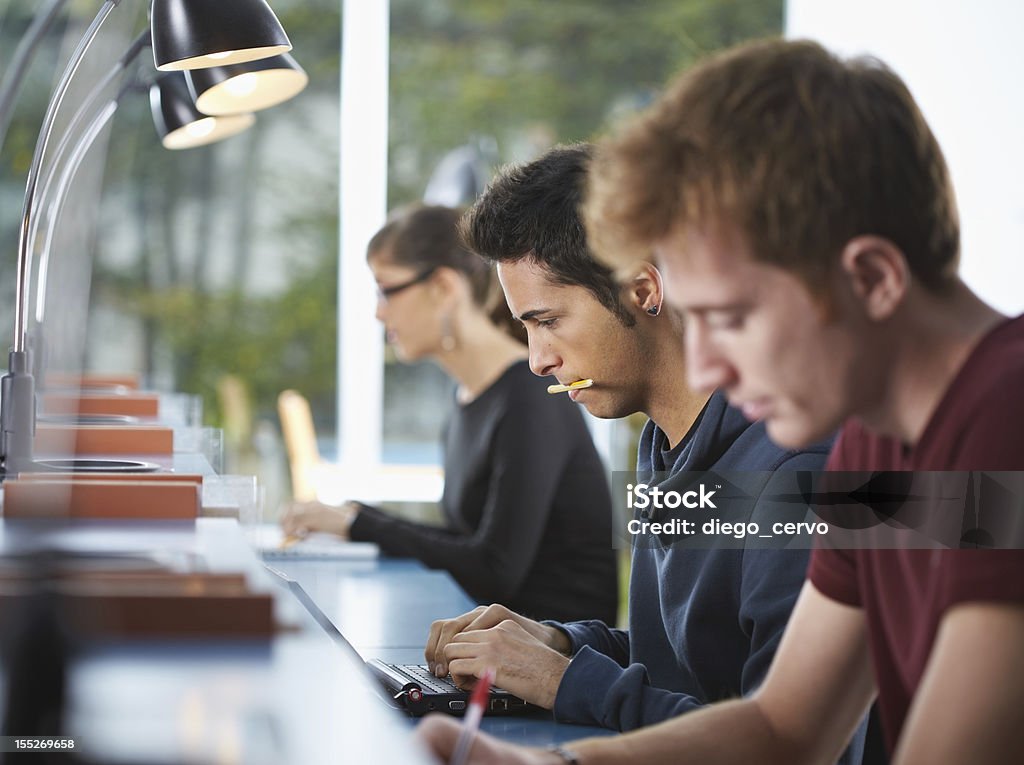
447,336
654,310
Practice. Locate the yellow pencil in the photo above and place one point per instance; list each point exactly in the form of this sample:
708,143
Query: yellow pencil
571,386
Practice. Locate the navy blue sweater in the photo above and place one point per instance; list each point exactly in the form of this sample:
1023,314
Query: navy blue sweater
704,624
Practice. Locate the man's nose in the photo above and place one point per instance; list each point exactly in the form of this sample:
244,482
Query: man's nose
707,369
543,359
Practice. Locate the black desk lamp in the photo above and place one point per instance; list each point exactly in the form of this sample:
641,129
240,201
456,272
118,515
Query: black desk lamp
248,87
185,34
180,124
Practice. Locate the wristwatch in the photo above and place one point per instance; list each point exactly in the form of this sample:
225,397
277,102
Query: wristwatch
567,755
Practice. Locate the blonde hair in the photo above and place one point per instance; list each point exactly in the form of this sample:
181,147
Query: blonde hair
791,147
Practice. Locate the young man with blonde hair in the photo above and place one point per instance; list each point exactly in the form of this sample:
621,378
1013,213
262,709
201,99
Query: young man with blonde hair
704,619
802,215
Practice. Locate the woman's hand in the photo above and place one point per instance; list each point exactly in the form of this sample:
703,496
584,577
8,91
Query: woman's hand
302,518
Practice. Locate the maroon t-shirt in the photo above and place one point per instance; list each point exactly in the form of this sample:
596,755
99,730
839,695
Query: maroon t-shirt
978,425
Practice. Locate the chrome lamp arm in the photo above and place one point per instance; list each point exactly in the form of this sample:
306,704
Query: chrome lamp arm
17,388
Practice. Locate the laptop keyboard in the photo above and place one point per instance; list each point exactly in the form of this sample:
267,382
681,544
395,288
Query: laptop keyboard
428,680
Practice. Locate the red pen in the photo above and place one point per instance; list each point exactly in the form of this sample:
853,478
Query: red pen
471,722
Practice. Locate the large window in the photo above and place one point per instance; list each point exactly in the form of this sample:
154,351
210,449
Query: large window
509,81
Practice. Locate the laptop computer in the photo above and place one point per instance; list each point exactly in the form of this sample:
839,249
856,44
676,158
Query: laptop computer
416,690
412,688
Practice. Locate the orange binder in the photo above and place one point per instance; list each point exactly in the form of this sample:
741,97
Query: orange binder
134,404
103,439
34,499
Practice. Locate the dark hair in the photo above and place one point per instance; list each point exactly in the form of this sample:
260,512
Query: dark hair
533,211
424,237
797,149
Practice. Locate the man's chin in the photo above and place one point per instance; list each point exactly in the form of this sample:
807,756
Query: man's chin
606,410
793,434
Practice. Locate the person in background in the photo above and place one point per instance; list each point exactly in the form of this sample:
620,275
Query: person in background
804,218
526,503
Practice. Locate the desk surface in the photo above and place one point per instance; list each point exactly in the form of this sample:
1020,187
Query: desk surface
384,608
299,698
294,699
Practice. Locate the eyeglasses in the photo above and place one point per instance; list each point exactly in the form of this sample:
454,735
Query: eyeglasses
383,293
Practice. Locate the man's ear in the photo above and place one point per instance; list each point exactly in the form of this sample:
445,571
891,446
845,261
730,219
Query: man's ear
644,289
877,273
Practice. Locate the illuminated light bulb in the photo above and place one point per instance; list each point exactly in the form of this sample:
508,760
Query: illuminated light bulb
201,128
246,87
242,85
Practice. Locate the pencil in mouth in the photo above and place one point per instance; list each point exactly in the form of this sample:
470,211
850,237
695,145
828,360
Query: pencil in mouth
571,386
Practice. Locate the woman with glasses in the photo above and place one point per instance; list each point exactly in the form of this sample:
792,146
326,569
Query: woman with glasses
526,505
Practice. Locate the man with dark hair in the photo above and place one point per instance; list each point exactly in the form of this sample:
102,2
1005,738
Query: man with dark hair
704,623
803,215
532,211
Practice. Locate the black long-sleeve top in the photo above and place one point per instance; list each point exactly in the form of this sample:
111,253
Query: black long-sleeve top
526,505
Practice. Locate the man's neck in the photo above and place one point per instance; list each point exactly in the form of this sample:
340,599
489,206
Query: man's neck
933,338
669,402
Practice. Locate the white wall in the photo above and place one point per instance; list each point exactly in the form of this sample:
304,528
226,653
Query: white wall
964,63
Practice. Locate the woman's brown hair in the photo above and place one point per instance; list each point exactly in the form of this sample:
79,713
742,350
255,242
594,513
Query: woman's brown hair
424,237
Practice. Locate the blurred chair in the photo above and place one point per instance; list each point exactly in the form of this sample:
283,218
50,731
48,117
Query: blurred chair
314,478
236,413
300,443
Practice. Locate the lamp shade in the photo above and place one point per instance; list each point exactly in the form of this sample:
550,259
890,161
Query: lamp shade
194,34
180,124
246,87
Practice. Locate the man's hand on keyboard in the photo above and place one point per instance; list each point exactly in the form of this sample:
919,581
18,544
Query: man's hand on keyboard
444,631
522,663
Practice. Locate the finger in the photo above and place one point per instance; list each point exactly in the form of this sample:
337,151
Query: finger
460,650
465,672
467,660
479,636
439,733
440,635
295,517
289,523
464,682
430,648
446,634
491,616
453,650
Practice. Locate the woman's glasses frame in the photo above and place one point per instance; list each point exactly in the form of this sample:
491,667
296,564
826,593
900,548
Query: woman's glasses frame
384,293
